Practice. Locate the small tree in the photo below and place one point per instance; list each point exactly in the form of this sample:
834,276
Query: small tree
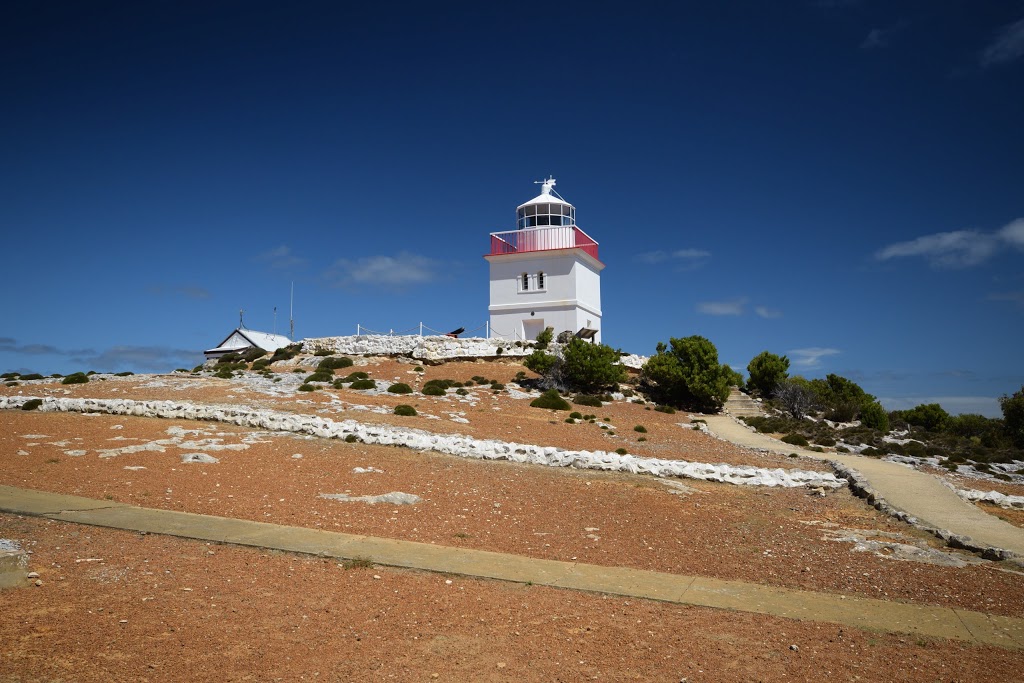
590,367
842,399
735,378
794,395
766,370
930,416
688,374
875,416
1013,417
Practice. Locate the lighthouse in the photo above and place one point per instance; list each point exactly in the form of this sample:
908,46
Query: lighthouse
545,273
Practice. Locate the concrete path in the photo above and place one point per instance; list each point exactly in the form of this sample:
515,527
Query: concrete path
865,613
916,493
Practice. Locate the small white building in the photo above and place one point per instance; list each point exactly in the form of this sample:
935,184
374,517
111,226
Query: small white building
242,340
545,273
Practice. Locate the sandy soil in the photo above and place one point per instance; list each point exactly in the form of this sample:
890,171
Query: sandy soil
117,606
254,615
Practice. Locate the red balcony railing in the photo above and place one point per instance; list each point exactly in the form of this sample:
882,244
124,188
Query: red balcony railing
542,239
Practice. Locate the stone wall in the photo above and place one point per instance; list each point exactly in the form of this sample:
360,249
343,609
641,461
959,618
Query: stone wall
437,348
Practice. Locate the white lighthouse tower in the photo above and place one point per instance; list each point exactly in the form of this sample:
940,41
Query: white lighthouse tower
545,273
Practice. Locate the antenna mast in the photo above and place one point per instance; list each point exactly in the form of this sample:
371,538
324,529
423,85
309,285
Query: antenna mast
275,320
291,314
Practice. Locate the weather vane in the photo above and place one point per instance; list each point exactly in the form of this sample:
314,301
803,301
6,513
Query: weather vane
546,185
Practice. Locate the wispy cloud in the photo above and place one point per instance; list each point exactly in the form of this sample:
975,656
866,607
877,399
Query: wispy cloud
728,307
399,271
1007,46
140,358
957,249
882,37
811,356
281,258
1016,297
684,259
982,405
766,312
187,291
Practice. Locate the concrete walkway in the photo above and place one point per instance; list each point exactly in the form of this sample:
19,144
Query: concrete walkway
865,613
916,493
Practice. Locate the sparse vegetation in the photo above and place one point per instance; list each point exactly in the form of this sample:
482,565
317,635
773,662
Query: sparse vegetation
400,388
433,390
587,400
32,404
405,411
363,384
332,363
75,378
307,387
550,400
640,428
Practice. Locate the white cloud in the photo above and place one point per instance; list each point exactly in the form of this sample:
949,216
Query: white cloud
1013,297
685,259
1013,233
957,249
766,312
281,258
811,356
730,307
389,271
982,405
1007,46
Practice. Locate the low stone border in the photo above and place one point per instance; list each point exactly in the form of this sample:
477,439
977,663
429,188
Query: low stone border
450,444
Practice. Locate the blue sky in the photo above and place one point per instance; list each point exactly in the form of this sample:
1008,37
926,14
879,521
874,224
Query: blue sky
839,181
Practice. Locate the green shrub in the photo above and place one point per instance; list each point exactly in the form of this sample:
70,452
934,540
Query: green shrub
32,375
796,440
352,377
129,373
75,378
587,400
335,363
9,375
590,367
307,387
405,411
871,452
231,357
286,352
461,392
249,355
224,373
575,415
351,438
497,386
687,374
32,404
400,388
668,410
640,428
481,380
10,384
197,368
621,451
875,416
540,362
320,376
766,370
322,352
418,368
363,384
570,420
261,364
550,400
544,337
433,390
825,441
1013,416
642,438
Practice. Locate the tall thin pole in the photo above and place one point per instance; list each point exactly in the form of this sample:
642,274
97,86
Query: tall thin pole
291,314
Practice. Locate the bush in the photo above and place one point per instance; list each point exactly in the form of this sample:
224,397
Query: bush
352,377
687,374
640,428
32,375
261,364
668,410
400,388
75,378
307,387
461,392
363,384
875,416
433,390
249,355
129,373
335,363
481,380
590,367
286,352
825,441
575,415
929,416
1013,416
231,357
418,368
544,338
796,440
540,362
621,451
587,400
766,371
351,438
497,386
322,352
551,400
320,376
32,404
405,411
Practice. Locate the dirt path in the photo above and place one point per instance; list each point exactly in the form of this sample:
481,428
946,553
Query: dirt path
918,494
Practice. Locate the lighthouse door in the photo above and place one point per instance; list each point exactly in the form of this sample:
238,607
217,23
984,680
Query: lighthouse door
532,327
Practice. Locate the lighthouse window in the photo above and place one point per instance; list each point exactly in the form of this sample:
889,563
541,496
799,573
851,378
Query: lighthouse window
540,280
526,281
